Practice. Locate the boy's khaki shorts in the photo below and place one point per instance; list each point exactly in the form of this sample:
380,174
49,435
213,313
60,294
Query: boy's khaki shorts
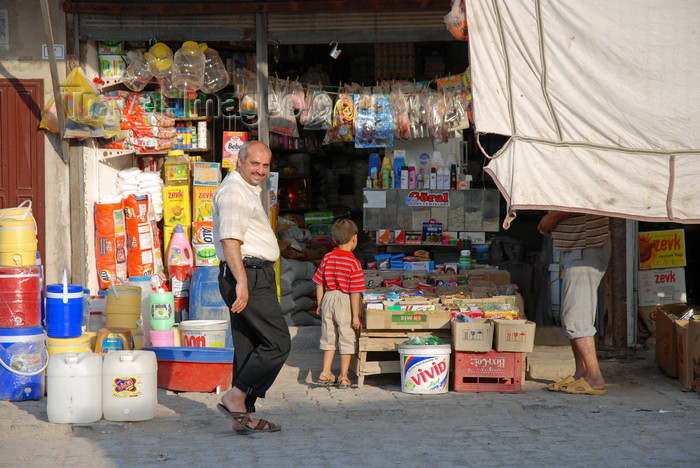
336,323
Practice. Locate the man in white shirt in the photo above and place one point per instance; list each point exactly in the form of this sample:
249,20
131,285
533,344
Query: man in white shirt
247,248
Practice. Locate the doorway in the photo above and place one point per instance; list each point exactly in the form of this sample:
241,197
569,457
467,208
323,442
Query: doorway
22,148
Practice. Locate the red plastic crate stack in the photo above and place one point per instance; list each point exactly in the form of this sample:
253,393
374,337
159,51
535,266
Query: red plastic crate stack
488,372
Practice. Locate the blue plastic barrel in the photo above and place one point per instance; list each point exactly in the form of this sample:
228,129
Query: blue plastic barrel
64,310
24,359
206,302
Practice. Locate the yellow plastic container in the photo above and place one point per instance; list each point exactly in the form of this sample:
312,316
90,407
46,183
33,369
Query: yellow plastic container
80,344
176,168
123,306
18,243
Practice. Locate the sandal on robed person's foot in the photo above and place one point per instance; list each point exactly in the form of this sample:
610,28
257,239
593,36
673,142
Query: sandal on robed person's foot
326,380
556,386
344,382
241,420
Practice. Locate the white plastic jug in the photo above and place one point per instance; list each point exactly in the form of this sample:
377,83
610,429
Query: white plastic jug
188,67
129,385
160,59
137,75
74,388
215,74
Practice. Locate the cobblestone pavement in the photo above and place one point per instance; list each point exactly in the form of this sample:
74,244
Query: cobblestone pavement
645,420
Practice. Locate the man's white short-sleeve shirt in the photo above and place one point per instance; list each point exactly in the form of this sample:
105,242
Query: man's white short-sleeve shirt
239,214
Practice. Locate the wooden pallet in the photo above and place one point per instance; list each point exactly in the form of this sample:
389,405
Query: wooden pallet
378,351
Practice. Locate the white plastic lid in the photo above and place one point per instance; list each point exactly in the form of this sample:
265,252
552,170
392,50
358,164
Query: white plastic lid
465,253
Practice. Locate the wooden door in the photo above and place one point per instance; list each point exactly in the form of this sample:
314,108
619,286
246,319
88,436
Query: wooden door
22,148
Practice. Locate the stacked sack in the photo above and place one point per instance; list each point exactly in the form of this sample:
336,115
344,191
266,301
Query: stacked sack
133,181
296,290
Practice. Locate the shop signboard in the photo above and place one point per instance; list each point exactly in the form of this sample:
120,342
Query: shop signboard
661,249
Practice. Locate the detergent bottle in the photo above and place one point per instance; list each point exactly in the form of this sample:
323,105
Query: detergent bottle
180,261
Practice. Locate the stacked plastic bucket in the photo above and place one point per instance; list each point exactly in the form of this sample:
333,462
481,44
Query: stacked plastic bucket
23,355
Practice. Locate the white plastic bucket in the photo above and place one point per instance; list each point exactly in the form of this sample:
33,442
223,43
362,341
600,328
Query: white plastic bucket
74,388
425,369
129,385
204,333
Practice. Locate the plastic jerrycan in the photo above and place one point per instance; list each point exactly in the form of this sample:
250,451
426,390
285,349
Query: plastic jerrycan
215,74
188,67
129,386
137,75
160,60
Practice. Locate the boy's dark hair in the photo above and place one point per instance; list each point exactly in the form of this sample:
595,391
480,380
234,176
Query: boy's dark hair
343,230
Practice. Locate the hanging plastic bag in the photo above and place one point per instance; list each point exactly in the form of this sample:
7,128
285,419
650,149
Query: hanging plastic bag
49,117
284,122
320,112
436,117
399,106
374,124
456,21
344,114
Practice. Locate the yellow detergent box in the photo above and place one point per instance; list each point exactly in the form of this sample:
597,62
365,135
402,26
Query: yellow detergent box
202,198
206,174
176,205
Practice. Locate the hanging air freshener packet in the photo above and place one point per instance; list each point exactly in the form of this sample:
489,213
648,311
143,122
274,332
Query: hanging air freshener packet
374,124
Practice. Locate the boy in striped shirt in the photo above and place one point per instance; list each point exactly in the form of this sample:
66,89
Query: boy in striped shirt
339,283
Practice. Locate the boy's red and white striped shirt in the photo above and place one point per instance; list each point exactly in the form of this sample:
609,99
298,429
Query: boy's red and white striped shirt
339,269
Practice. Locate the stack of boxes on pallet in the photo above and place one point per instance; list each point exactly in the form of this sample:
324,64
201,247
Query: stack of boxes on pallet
488,352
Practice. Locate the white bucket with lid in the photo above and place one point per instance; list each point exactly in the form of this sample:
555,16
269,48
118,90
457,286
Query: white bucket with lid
204,333
74,388
425,369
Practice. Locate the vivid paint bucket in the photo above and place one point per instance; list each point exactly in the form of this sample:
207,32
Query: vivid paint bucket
424,368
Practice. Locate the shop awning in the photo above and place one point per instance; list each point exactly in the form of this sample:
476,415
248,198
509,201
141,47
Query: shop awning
601,100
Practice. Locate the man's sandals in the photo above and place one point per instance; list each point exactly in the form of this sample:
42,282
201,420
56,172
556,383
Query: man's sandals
574,386
241,420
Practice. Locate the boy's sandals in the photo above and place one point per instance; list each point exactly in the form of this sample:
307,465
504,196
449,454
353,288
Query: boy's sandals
344,382
326,380
241,420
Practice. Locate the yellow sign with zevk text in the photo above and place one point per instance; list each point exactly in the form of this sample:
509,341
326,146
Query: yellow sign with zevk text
661,249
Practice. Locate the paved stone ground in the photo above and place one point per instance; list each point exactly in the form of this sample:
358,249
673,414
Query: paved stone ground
645,420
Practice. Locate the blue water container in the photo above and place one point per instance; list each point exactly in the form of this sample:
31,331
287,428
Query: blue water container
24,359
206,302
64,310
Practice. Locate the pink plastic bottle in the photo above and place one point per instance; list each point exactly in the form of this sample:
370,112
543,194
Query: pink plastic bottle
180,261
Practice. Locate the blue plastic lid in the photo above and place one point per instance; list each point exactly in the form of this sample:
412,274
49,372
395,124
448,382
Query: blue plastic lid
22,331
139,278
193,354
58,288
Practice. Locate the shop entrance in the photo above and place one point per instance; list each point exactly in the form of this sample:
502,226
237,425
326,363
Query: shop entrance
22,147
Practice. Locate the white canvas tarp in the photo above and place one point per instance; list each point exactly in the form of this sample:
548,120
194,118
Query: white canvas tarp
601,100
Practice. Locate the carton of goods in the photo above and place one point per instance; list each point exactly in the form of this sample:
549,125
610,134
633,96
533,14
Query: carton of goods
203,232
667,337
176,205
476,336
419,265
232,142
206,173
694,350
685,364
202,198
410,305
380,294
407,320
499,311
514,335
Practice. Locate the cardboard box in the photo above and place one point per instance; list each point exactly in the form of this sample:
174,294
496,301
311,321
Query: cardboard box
232,142
476,336
206,174
514,335
694,352
176,206
407,320
648,316
202,198
685,364
666,338
661,286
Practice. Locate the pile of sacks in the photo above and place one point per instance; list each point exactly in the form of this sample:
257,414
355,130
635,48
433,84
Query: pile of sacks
133,181
297,292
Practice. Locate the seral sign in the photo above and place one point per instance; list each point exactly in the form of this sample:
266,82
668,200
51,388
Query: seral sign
661,249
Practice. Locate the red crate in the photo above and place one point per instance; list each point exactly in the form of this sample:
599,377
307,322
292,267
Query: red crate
487,372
